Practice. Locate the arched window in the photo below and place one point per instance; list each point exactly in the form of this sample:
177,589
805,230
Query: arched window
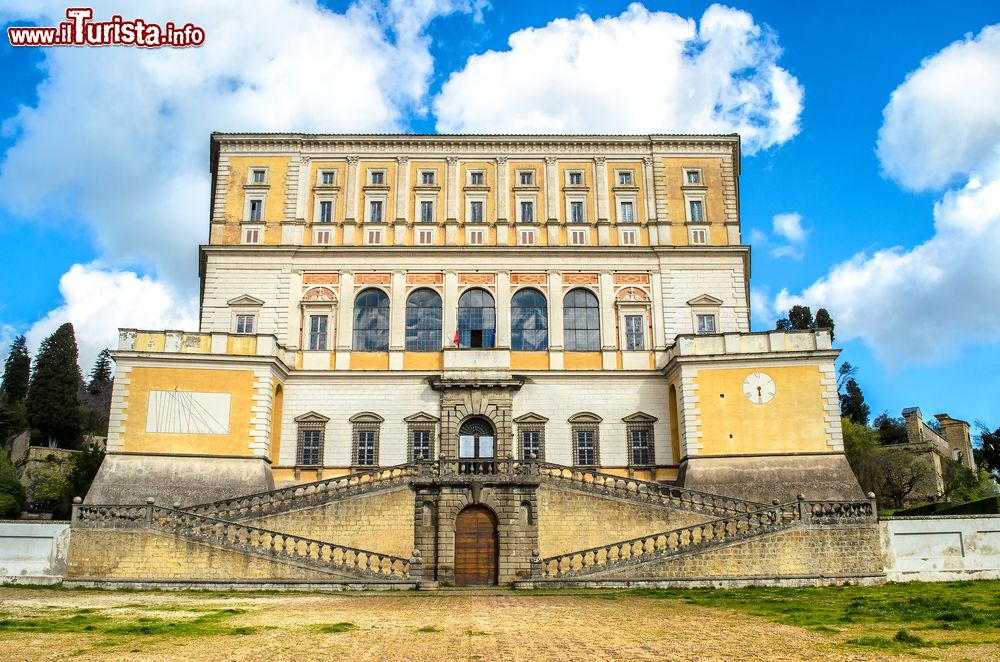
423,321
529,321
477,319
371,321
581,322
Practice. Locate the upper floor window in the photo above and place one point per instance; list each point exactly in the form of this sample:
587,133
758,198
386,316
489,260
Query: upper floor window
476,319
476,211
327,177
529,321
576,211
627,212
692,176
706,324
576,179
375,211
422,443
427,177
581,321
531,444
366,437
526,238
476,178
635,333
245,324
526,178
259,176
371,321
326,211
697,211
317,332
527,211
625,178
426,211
256,210
377,177
640,444
423,321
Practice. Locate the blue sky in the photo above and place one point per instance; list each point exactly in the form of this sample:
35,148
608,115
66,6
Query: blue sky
822,170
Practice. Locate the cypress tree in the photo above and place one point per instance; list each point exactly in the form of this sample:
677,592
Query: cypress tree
824,321
100,374
852,403
53,403
17,371
801,318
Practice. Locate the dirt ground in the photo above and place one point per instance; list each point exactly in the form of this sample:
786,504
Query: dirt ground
383,626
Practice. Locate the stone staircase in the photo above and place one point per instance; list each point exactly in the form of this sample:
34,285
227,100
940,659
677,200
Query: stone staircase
700,537
324,557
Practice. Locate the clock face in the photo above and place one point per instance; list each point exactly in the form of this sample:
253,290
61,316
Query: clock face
759,388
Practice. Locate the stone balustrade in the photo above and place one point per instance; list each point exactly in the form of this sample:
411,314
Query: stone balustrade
325,556
190,342
702,536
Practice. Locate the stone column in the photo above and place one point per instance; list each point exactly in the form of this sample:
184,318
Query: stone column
649,227
451,201
601,185
449,313
402,199
502,194
351,186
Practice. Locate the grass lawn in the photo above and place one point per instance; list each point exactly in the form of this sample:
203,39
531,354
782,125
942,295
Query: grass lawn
951,621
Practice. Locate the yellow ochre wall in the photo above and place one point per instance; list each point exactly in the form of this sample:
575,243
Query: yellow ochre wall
277,172
792,422
238,383
715,192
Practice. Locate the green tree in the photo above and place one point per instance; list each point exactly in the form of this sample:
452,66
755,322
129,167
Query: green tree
852,403
11,490
962,484
801,318
824,321
100,374
844,372
53,402
891,430
47,485
988,451
860,445
897,473
96,398
16,371
83,468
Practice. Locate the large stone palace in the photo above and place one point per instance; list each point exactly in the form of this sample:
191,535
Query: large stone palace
474,359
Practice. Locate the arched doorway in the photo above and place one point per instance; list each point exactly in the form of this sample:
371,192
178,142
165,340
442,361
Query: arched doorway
476,547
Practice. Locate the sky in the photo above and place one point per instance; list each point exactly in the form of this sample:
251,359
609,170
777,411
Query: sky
871,149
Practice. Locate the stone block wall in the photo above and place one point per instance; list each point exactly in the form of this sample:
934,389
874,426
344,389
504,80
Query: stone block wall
380,522
141,554
805,551
570,521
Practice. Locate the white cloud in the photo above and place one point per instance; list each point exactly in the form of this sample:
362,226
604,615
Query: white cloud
790,227
98,300
639,72
926,303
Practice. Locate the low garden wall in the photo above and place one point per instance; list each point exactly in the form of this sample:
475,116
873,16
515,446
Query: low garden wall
941,548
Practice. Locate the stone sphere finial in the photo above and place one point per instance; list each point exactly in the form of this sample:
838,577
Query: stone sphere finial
775,502
871,495
800,497
416,553
77,500
177,505
150,500
535,552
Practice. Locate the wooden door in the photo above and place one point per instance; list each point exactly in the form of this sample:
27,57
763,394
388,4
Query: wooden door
475,547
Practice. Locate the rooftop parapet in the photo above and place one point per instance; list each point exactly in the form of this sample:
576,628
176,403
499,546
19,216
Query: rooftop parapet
766,342
192,342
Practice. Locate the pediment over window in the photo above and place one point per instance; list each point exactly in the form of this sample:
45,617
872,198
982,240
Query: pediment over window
705,300
639,417
245,300
531,417
585,417
421,417
311,417
632,294
366,417
319,295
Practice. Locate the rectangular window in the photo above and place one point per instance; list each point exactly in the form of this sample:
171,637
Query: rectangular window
628,238
576,211
639,446
627,214
326,178
635,333
531,445
425,237
322,237
260,176
244,324
625,178
373,237
578,237
527,178
310,447
476,178
317,332
476,237
427,178
251,236
378,177
706,324
692,176
326,211
366,447
586,447
697,211
527,212
476,211
256,210
376,211
699,236
576,179
526,238
426,211
421,445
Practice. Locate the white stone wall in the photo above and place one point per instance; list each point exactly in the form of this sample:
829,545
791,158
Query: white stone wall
267,278
944,548
33,552
682,278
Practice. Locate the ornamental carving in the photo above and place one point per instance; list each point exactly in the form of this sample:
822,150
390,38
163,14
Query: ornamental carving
424,279
631,279
372,279
476,279
325,279
627,294
529,279
319,294
579,279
